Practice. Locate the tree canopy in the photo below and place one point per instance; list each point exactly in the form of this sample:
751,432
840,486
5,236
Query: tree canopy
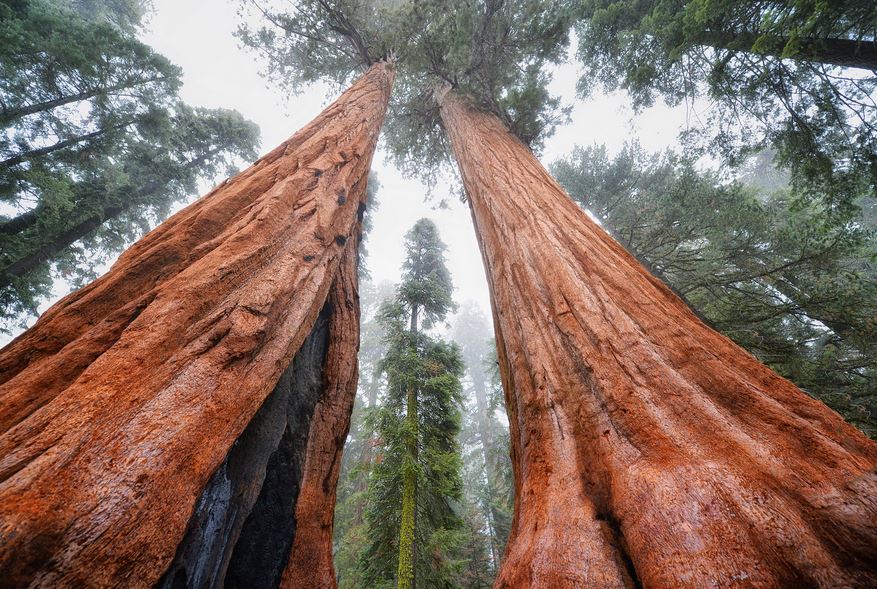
795,77
97,146
497,52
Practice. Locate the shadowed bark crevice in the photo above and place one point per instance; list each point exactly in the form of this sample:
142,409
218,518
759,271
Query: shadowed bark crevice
612,529
262,551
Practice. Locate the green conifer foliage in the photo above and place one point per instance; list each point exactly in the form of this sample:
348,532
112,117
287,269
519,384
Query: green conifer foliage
797,77
496,52
96,146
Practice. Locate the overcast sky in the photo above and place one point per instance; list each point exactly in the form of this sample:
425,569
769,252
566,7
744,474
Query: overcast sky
198,36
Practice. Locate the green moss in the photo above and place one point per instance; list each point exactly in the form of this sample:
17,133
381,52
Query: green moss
409,498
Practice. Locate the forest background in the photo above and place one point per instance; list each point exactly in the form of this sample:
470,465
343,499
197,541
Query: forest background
601,151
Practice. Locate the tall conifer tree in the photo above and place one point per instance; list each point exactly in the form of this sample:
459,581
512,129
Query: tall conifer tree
416,487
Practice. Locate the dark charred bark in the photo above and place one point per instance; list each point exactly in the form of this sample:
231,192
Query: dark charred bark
310,560
246,511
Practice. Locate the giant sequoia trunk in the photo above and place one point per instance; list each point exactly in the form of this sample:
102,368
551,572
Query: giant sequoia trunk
125,408
648,449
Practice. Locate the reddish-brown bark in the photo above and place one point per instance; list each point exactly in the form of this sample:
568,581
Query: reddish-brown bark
124,398
648,449
310,561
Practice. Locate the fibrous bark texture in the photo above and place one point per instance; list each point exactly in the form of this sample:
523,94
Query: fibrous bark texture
126,397
648,449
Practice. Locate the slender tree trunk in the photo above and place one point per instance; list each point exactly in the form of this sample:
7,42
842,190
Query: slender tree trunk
52,247
481,405
367,452
487,446
19,223
409,496
648,449
408,525
839,52
127,395
55,244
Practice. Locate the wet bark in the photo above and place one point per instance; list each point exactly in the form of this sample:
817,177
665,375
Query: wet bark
648,449
126,396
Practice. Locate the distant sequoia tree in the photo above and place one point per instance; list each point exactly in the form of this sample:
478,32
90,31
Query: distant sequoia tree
488,463
179,421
